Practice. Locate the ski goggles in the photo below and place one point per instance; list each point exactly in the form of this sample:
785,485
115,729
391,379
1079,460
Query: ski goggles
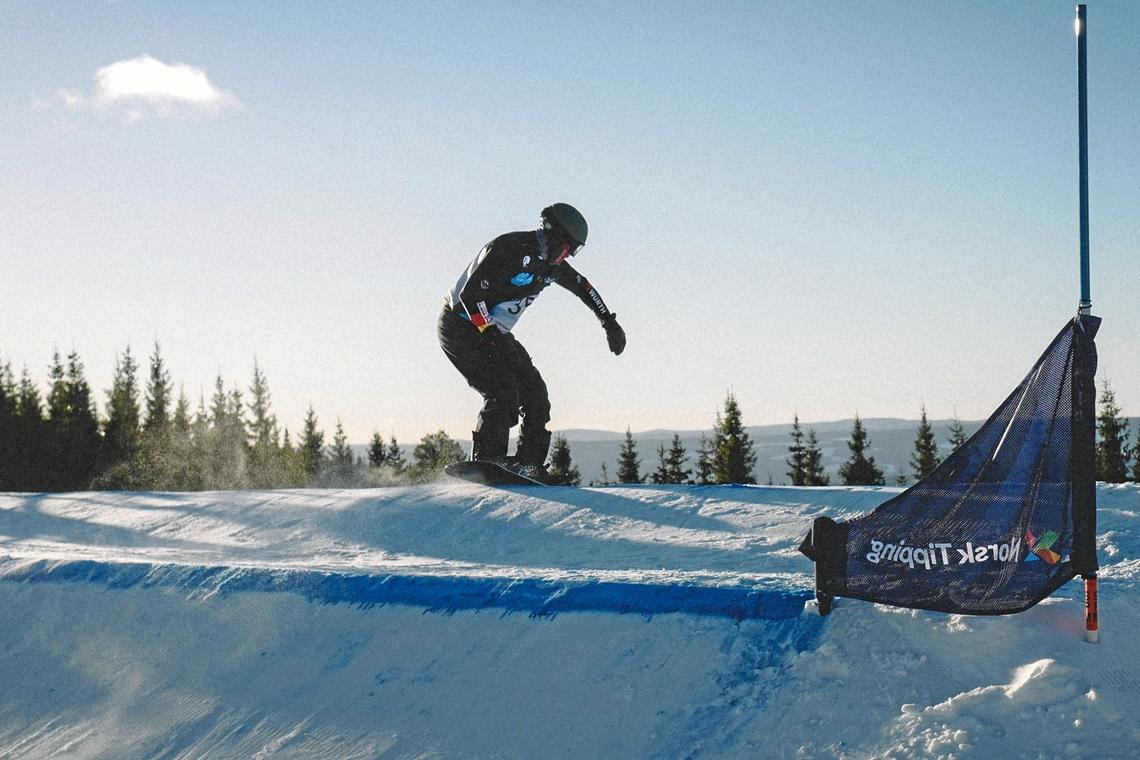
568,250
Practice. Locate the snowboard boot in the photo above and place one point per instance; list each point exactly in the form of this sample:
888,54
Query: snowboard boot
530,456
533,447
489,445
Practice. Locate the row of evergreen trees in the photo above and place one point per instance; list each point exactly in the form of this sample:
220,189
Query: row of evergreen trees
861,469
728,457
150,440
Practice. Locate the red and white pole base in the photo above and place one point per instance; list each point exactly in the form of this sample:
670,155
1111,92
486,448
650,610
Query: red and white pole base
1092,627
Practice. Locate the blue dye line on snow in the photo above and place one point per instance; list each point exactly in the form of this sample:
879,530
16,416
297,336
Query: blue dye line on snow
447,594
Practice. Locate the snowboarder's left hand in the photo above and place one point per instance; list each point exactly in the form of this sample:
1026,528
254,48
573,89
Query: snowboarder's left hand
615,336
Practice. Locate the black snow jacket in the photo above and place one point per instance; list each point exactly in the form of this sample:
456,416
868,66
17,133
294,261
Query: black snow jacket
506,277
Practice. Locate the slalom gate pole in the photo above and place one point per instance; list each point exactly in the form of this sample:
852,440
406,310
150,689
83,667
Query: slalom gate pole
1092,623
1081,26
1092,628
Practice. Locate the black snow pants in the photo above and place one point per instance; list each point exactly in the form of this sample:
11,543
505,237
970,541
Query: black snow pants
505,376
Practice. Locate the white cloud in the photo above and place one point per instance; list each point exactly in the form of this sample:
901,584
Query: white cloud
145,86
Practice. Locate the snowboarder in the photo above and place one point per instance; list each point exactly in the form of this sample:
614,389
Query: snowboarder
475,332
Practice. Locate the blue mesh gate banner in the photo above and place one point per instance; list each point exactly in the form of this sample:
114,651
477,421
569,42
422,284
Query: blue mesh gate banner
1002,523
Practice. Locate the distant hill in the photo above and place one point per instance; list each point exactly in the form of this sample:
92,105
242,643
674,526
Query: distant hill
891,443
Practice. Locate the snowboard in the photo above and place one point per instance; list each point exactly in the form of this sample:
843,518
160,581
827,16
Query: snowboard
488,474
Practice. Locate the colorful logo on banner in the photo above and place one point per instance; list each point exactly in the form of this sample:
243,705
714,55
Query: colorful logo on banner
1040,548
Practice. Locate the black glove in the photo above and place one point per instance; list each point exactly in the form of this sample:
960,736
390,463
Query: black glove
615,336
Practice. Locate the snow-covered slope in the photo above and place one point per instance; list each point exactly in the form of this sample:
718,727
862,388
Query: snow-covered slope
450,620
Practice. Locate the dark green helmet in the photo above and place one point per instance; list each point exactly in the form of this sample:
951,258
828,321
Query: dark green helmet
568,220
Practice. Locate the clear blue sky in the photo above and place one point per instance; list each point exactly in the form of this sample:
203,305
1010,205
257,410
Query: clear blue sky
825,207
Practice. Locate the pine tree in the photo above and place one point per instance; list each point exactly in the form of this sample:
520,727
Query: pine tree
671,463
295,476
735,459
161,461
377,451
83,420
957,435
661,474
312,446
341,452
195,472
31,468
562,469
797,461
122,431
341,460
675,469
218,404
605,474
57,470
198,466
434,452
925,457
180,423
396,459
201,422
814,474
227,443
29,405
263,427
706,454
860,470
124,465
629,465
158,390
235,411
171,452
57,405
267,466
73,428
1112,452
